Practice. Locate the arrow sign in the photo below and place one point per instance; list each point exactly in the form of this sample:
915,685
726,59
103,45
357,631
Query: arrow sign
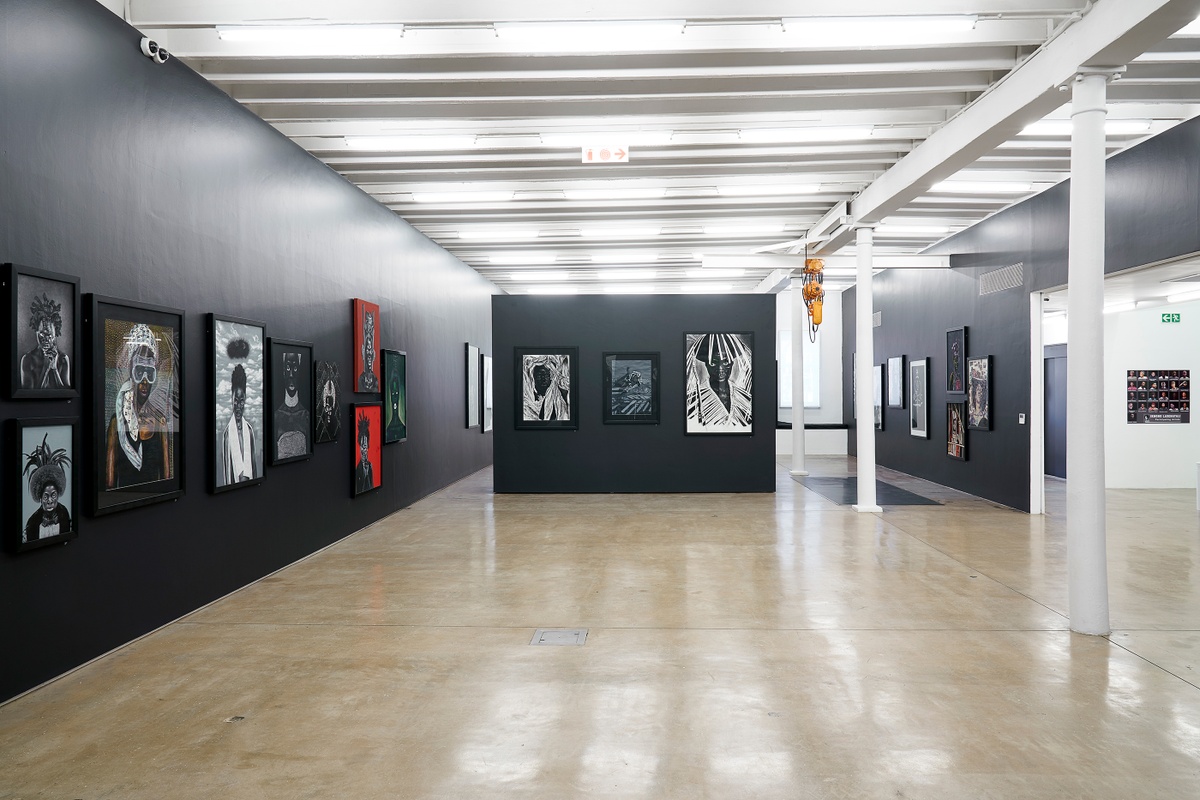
605,154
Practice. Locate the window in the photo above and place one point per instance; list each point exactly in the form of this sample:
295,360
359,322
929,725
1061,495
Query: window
812,371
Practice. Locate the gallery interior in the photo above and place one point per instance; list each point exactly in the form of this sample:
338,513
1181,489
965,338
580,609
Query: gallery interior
446,400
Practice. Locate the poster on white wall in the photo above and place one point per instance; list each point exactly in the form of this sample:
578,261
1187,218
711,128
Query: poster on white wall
1158,396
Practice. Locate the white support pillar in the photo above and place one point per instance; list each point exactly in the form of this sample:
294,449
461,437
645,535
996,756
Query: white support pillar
799,331
1087,558
864,346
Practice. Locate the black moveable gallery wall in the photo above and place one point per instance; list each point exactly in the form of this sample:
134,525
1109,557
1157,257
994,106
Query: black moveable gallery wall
152,185
1152,204
631,458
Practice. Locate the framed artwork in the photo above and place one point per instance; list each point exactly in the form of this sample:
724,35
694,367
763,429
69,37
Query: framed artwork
236,402
43,505
979,394
630,388
918,398
546,380
328,390
136,403
395,391
44,333
366,347
956,430
854,386
368,447
719,384
472,386
291,381
956,364
486,383
895,382
878,401
1158,396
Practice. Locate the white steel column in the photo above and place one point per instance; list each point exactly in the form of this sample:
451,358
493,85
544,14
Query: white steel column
1087,559
864,346
799,331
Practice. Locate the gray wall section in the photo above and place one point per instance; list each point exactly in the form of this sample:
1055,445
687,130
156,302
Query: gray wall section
632,458
1152,194
152,185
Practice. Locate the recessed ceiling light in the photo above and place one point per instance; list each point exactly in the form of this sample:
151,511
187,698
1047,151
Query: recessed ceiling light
627,274
539,275
522,258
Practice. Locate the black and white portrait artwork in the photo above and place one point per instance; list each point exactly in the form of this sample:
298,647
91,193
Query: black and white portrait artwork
918,400
239,402
546,388
291,398
895,381
719,383
979,398
630,388
48,512
486,385
45,333
878,401
956,363
473,392
329,402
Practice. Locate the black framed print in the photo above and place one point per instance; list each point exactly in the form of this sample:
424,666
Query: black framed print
236,402
546,382
895,381
918,398
291,382
45,332
327,386
879,377
472,386
137,404
630,388
487,407
719,385
368,447
979,393
956,431
395,391
956,364
43,506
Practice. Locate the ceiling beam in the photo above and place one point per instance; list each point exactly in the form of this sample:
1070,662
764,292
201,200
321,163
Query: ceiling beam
1112,33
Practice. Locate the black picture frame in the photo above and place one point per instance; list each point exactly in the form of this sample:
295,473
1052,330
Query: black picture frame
918,398
291,427
395,407
236,342
895,382
43,462
956,431
122,335
529,410
365,482
698,350
979,393
472,377
879,381
628,397
956,364
487,406
327,392
60,306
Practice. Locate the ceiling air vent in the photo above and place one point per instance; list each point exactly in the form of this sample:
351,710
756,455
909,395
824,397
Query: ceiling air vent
999,280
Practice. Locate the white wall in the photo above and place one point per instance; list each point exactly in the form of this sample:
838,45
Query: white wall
1149,456
830,340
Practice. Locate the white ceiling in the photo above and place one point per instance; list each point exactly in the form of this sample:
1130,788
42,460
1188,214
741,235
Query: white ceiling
1142,287
747,124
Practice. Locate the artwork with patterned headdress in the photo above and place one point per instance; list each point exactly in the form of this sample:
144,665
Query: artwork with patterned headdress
137,369
719,383
44,453
44,331
237,403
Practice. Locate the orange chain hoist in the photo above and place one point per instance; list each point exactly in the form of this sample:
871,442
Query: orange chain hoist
814,292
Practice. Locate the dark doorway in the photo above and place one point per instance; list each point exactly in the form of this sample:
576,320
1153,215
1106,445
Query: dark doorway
1056,410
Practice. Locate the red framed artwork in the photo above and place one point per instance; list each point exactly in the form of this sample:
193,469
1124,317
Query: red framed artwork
367,425
366,346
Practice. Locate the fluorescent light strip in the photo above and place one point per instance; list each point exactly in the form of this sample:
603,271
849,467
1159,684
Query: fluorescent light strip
1063,127
599,35
322,36
625,257
518,259
634,138
767,190
743,230
552,290
498,234
620,233
409,143
707,288
615,193
463,197
982,187
715,273
540,275
811,134
627,274
912,230
1183,298
865,31
637,288
1119,308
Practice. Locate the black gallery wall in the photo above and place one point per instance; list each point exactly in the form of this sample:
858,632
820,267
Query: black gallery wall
154,186
1152,197
631,458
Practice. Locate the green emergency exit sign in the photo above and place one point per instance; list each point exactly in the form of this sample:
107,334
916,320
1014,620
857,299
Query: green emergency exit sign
1170,317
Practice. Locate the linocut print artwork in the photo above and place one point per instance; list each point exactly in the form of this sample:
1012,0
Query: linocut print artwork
720,383
395,392
46,462
1158,396
45,333
291,401
545,381
956,363
630,387
895,382
979,397
486,384
366,346
328,390
239,403
368,447
878,400
918,398
956,431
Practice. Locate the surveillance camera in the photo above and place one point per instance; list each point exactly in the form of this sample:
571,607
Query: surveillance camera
149,47
161,56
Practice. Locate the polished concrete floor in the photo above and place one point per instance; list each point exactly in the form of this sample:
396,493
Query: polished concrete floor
740,646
